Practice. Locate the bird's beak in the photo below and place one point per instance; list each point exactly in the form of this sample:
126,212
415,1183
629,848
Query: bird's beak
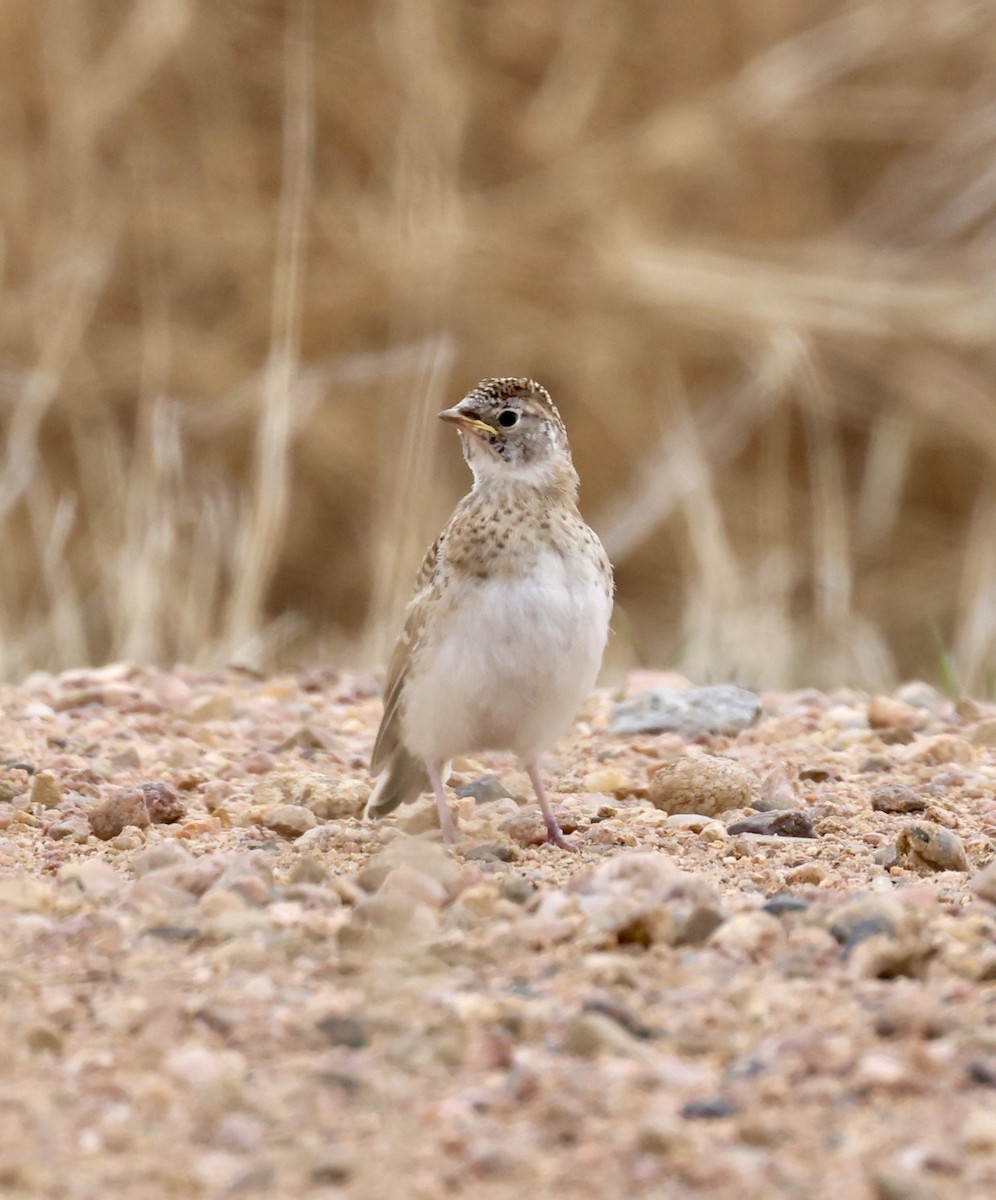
471,424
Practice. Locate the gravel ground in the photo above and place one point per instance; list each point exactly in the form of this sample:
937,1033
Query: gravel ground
770,971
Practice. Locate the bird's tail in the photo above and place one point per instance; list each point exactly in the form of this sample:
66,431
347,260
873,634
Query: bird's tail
402,780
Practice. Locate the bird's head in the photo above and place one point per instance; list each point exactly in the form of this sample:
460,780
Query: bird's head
510,429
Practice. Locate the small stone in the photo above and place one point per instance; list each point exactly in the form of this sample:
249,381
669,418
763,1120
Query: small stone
643,899
308,870
485,790
659,1135
126,807
753,935
46,790
881,939
164,804
479,901
72,829
492,852
713,1109
900,1185
920,695
885,712
979,1129
984,884
930,846
593,1033
166,856
127,759
610,781
784,823
783,903
886,856
214,707
876,762
811,872
516,887
345,1031
777,793
945,748
819,773
332,797
703,786
896,798
692,712
290,820
984,733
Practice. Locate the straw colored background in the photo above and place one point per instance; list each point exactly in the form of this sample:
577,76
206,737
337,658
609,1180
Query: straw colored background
249,248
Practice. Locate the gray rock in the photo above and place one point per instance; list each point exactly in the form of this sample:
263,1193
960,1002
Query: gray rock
692,712
782,823
785,902
485,789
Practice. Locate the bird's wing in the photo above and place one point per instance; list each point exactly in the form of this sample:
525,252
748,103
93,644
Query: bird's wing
389,733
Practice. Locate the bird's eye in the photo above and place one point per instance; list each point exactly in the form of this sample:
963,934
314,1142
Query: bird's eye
507,418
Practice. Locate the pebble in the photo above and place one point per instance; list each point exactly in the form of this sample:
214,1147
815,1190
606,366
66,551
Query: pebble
983,733
900,1185
896,798
979,1129
290,820
777,793
984,883
164,804
785,903
929,846
944,748
610,781
516,887
643,898
75,828
165,856
713,1109
886,712
705,786
214,707
331,798
753,935
594,1033
881,938
125,807
46,790
345,1031
783,823
491,852
692,712
485,789
920,695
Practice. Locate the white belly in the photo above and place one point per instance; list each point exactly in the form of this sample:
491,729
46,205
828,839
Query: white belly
508,666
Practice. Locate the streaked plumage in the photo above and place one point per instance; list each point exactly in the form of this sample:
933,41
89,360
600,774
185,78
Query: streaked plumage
504,636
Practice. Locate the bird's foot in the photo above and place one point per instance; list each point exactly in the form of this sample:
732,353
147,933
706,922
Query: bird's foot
448,826
555,835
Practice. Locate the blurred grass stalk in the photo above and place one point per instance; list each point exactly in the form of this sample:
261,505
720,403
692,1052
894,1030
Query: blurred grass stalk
754,261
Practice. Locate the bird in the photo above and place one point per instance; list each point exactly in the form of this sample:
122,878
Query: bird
504,636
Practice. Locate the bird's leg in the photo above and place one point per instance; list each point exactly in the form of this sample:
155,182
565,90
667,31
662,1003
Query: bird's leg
553,831
446,822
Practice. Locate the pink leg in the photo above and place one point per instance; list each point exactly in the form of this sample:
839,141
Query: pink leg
553,831
446,822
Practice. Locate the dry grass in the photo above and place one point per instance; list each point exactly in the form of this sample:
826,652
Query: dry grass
249,248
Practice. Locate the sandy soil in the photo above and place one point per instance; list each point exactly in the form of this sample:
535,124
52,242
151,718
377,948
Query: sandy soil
218,982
